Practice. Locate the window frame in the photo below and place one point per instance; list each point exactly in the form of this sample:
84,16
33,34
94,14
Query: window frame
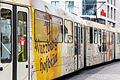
56,3
26,35
71,8
64,31
42,20
8,60
91,35
104,40
60,26
95,37
82,34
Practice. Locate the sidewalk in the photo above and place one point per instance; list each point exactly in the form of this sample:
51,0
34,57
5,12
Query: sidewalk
107,72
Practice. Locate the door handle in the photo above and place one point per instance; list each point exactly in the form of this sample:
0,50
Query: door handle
26,66
1,68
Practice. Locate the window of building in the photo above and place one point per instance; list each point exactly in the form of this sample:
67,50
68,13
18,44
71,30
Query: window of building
69,6
111,12
114,14
111,1
89,7
42,25
108,11
55,3
114,2
57,29
113,25
68,31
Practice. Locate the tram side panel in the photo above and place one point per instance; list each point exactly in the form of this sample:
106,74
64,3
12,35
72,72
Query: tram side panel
68,48
47,42
107,53
97,57
93,46
89,47
82,49
78,47
112,47
81,55
117,45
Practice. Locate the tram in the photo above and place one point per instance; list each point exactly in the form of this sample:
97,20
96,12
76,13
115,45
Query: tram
40,42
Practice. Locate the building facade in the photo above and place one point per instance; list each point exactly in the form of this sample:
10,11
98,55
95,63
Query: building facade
72,6
118,13
111,13
102,11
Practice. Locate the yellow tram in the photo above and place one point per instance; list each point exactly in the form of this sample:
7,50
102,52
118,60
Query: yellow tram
40,42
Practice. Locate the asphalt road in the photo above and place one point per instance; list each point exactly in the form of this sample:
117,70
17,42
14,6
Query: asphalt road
107,72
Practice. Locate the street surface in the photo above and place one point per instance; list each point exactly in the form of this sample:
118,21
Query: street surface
107,72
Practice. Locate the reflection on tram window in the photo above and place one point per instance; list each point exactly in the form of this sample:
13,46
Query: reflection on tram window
76,37
95,36
68,31
5,35
22,37
82,34
104,44
56,31
42,25
91,35
99,39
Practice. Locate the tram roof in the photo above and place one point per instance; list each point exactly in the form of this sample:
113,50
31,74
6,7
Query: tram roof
77,19
43,6
64,14
98,26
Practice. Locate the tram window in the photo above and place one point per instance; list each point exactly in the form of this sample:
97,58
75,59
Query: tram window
76,37
75,31
5,35
82,34
112,37
104,44
57,29
95,36
99,39
99,36
42,24
91,35
68,31
22,37
79,33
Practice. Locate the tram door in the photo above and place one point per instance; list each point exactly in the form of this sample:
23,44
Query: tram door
77,43
13,19
21,36
5,42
